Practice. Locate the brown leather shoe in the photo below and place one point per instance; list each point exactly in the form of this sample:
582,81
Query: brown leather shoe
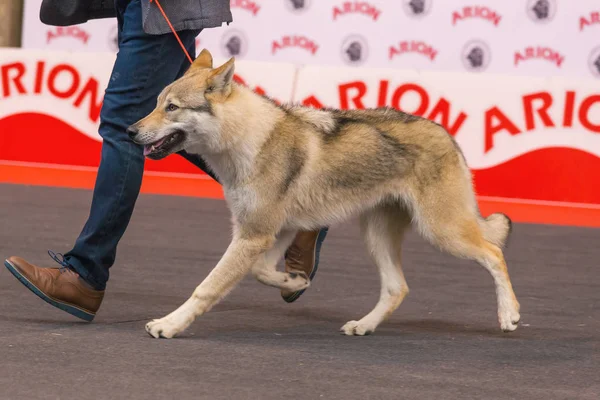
59,287
303,256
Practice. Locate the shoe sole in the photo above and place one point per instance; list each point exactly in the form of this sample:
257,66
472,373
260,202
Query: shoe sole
320,238
69,308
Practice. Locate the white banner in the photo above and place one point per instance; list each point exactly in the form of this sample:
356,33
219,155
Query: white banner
519,37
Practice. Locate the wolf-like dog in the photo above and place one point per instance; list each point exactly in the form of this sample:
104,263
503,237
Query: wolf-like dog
289,168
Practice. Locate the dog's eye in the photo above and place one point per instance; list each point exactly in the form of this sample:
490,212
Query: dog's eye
210,89
172,107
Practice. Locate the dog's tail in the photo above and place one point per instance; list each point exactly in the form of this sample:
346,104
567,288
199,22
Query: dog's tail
496,228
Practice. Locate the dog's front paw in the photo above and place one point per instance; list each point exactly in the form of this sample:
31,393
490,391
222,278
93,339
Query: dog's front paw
509,320
357,328
162,328
508,315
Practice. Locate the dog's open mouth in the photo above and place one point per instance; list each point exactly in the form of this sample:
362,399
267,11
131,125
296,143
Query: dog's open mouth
161,148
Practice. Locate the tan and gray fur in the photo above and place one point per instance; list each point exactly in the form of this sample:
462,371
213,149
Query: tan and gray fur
290,168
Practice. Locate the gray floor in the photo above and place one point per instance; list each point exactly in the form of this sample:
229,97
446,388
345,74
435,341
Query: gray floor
442,343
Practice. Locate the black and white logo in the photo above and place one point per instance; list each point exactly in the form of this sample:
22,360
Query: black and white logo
417,8
476,55
355,50
541,10
594,62
297,6
234,44
113,38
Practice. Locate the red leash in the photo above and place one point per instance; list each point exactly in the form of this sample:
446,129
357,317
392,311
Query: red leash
173,30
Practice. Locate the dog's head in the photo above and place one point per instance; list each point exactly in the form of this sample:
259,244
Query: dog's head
475,57
298,4
234,45
541,9
354,51
417,6
184,116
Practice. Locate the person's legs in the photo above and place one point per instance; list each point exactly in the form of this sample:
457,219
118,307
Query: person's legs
145,64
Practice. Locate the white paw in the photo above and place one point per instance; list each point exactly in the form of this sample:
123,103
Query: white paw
509,320
294,282
162,328
357,328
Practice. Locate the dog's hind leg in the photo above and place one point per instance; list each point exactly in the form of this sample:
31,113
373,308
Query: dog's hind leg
465,239
383,230
236,263
446,214
264,270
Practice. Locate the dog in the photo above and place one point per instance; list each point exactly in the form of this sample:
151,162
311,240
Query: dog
286,168
476,57
417,6
354,51
541,9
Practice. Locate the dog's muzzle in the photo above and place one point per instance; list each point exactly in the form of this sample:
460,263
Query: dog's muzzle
131,131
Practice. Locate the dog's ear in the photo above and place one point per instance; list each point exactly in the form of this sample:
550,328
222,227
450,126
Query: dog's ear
221,77
203,61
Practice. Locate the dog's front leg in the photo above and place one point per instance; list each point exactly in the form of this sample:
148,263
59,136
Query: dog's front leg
237,261
265,269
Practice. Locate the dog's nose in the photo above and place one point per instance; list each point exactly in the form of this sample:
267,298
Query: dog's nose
131,131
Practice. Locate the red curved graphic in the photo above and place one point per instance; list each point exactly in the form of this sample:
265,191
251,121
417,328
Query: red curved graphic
41,138
552,174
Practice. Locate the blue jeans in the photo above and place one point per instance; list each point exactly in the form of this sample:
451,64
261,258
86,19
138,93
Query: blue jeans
145,64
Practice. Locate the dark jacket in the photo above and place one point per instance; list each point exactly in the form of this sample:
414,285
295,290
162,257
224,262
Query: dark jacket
185,14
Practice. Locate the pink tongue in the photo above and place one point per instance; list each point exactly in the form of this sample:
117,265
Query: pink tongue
148,147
